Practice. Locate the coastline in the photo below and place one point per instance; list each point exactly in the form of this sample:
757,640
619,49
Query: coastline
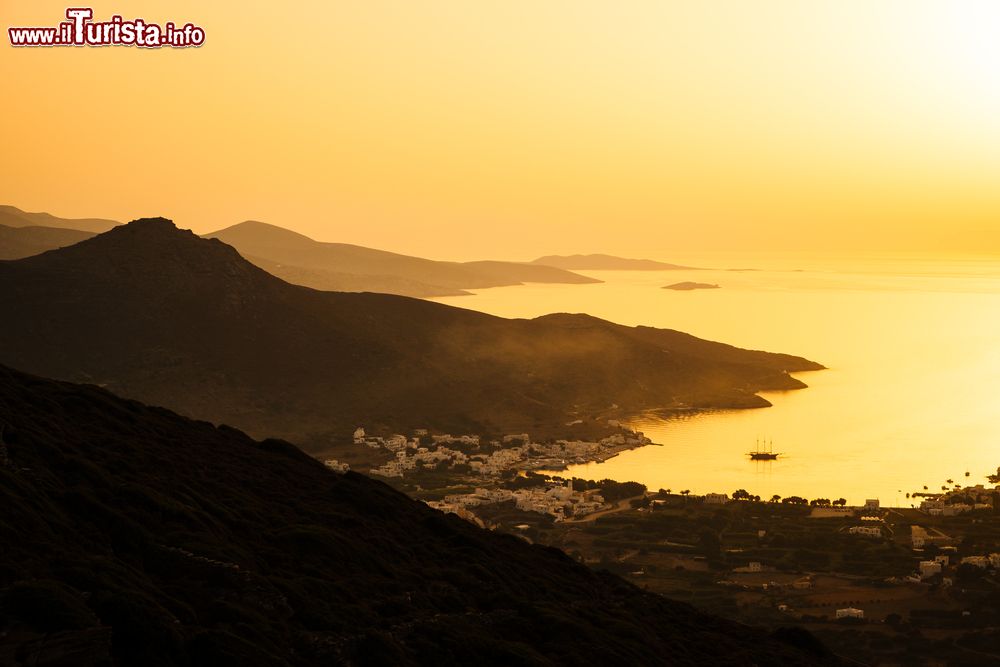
551,467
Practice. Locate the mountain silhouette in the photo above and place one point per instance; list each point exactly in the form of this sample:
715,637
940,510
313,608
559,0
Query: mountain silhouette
297,259
289,254
161,315
12,216
132,536
18,242
338,281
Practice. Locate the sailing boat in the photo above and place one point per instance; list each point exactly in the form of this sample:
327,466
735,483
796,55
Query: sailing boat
759,454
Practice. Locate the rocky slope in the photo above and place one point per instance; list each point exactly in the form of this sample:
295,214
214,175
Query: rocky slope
132,536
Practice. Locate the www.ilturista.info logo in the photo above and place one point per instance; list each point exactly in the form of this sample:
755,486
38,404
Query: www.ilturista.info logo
81,30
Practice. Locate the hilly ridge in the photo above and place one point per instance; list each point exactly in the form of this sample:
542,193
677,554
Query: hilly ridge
132,536
11,216
161,315
295,258
18,242
291,254
338,281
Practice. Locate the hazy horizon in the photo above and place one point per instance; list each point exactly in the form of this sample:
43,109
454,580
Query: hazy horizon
449,129
480,251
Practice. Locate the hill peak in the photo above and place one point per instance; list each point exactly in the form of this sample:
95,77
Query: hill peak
149,223
155,252
254,230
158,234
149,229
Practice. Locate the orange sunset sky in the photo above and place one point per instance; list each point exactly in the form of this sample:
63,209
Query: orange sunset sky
480,128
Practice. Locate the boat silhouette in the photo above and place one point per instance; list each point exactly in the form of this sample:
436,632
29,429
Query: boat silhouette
760,454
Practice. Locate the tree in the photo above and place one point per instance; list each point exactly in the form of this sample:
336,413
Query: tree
741,494
709,543
967,573
614,491
775,498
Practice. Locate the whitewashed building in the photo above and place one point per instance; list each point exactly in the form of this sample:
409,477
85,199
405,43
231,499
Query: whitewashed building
928,568
336,466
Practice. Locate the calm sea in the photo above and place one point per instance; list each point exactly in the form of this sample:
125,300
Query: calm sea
911,397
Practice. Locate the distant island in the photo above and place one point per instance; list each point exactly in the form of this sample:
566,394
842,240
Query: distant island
688,285
598,262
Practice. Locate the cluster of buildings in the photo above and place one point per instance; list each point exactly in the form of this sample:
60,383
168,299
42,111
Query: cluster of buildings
414,456
948,557
557,500
562,452
489,459
960,501
392,443
423,457
419,451
927,569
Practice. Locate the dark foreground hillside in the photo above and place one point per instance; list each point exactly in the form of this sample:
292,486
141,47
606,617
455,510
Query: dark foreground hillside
132,536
